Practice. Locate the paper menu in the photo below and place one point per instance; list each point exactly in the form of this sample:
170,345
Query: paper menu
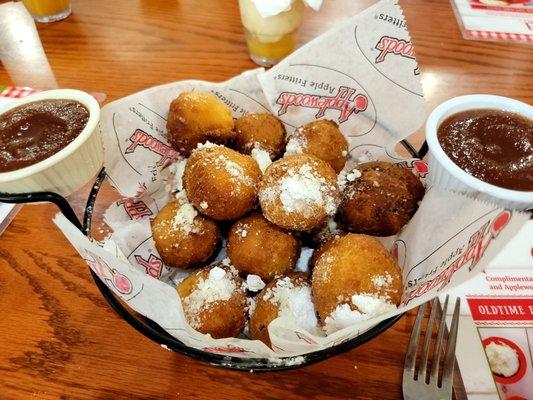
497,307
495,20
373,92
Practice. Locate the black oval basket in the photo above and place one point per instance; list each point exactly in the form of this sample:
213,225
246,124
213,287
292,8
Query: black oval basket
153,331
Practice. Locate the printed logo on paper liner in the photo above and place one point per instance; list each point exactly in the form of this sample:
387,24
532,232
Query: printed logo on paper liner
346,101
470,254
153,265
140,138
146,259
388,45
135,208
109,275
393,54
318,92
419,167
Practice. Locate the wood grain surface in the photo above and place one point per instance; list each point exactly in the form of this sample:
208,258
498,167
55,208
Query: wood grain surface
58,337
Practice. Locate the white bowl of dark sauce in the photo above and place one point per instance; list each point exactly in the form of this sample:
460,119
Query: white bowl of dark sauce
482,145
50,142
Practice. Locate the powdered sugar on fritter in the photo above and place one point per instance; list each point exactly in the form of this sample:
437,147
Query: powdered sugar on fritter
233,169
382,281
221,161
262,158
295,145
242,229
329,230
254,283
366,306
294,302
341,180
352,176
219,286
184,218
206,145
299,190
250,305
227,263
302,264
345,177
297,142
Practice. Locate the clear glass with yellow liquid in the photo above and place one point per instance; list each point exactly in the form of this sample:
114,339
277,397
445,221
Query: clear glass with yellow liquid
270,39
48,10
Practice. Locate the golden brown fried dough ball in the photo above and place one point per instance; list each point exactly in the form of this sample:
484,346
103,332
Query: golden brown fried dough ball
214,301
354,279
287,296
382,200
220,182
256,246
322,139
183,237
196,117
263,131
299,192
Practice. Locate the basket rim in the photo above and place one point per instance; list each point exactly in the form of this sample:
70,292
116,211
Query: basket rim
151,330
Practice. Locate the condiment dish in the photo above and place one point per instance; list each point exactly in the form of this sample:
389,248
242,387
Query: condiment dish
444,173
71,167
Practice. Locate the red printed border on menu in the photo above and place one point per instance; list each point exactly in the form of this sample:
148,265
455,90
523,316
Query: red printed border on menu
512,310
16,92
523,10
490,35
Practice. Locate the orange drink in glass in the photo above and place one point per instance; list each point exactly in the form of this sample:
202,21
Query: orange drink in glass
48,10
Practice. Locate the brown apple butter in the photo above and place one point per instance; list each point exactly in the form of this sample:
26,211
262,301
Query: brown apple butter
492,145
35,131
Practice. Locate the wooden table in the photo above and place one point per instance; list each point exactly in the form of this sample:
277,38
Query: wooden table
59,339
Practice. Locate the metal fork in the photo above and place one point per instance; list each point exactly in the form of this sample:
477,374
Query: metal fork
420,386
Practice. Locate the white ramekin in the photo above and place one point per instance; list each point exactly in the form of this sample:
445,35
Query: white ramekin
71,167
444,173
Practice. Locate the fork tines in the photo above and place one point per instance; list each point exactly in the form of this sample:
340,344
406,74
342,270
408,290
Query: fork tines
417,384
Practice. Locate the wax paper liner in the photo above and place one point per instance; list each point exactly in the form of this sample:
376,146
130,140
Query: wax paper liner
363,75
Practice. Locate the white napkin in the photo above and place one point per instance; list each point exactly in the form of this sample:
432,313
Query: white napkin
21,51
